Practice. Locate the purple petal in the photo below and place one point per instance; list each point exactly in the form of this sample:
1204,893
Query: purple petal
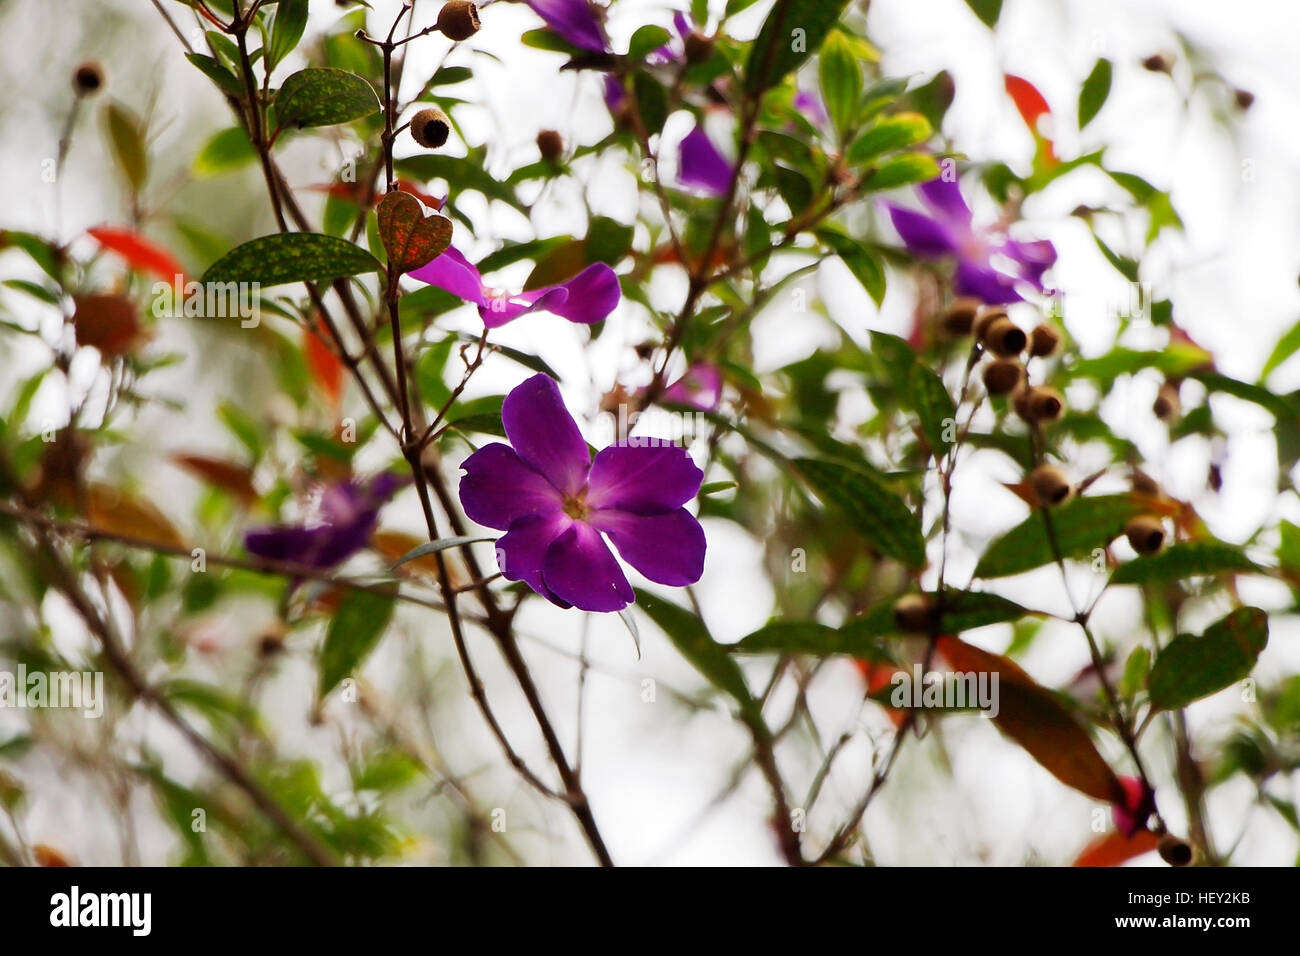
643,479
699,388
923,236
945,200
579,568
521,551
702,166
498,489
615,95
984,283
810,105
1034,257
453,273
666,548
593,295
572,20
545,435
320,547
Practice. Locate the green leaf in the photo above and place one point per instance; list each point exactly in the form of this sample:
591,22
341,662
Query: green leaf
694,642
1093,93
902,171
356,628
433,547
873,510
291,257
987,10
217,73
128,145
810,637
1286,347
1190,668
792,32
890,133
227,150
1186,560
841,80
934,406
286,30
322,96
1081,525
646,40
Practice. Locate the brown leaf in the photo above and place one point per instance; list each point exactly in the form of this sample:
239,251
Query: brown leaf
410,238
117,513
109,322
227,475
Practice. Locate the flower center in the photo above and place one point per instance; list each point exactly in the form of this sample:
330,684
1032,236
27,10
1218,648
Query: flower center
575,506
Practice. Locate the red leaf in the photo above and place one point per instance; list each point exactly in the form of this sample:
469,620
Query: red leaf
139,253
1033,107
1116,848
326,368
1031,715
111,323
878,675
410,238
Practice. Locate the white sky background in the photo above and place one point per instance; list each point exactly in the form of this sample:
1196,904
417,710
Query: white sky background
650,769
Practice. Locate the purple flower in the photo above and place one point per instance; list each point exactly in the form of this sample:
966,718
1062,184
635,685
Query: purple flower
949,231
811,106
554,502
588,297
699,388
341,524
701,166
573,21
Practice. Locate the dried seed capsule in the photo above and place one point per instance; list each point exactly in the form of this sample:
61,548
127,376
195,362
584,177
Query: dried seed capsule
1174,851
960,317
698,47
1003,376
88,78
1167,404
1003,337
430,128
458,20
1159,63
1044,404
984,317
551,145
1145,533
914,613
1043,341
1050,485
1245,99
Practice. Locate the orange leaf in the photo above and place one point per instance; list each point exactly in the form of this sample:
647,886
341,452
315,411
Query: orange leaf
326,367
140,253
1032,107
111,323
878,675
227,475
117,513
1031,715
1116,848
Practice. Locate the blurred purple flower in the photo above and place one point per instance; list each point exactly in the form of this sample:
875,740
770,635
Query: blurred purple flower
948,230
574,21
700,388
554,502
811,106
588,297
340,525
701,166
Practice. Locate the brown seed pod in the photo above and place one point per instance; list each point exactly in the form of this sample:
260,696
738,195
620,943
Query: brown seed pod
1003,337
1174,851
960,317
551,145
1003,376
87,78
985,316
1144,484
1167,405
1050,485
1043,341
1159,63
430,127
1145,533
1245,99
458,20
698,47
1044,404
914,613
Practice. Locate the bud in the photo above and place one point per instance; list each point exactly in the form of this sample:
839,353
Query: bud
914,613
984,317
1244,99
1174,851
1159,63
88,78
1001,377
1003,337
960,317
1043,341
1050,485
1044,404
698,47
458,20
1145,533
430,127
551,145
1166,404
